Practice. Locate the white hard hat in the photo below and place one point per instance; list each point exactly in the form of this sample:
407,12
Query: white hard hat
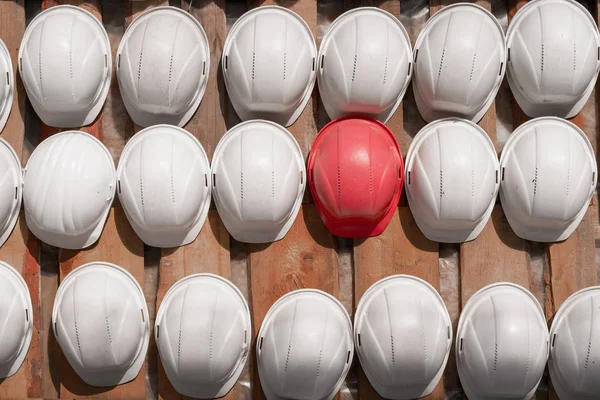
304,348
575,346
268,62
501,343
11,190
364,64
163,62
452,180
460,59
554,57
549,175
65,63
203,333
16,316
164,185
6,94
68,189
403,334
259,179
100,320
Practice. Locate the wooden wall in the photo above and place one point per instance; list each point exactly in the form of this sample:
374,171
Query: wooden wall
309,256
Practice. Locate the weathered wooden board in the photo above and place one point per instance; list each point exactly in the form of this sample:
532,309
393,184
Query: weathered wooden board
210,251
400,249
118,243
304,258
22,249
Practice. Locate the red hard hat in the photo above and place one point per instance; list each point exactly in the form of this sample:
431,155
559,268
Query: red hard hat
356,175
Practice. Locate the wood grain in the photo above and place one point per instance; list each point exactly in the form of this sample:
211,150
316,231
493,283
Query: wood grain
400,249
118,243
22,249
304,258
210,251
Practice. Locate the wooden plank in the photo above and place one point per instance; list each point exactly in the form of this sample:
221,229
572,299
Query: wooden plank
22,249
118,243
210,251
304,258
400,249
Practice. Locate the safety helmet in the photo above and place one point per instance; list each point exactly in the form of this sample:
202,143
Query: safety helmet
403,334
452,180
11,190
258,181
164,186
460,59
163,62
6,94
554,57
68,189
100,320
268,62
16,316
365,64
574,346
203,333
65,63
501,343
306,334
355,176
549,174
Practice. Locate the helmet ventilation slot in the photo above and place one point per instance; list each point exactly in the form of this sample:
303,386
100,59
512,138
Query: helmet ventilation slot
143,317
448,329
348,357
313,64
119,184
260,344
502,174
496,176
204,68
205,180
409,177
226,58
157,331
359,340
409,66
16,192
553,339
214,180
416,55
461,344
26,315
7,79
323,60
105,61
500,71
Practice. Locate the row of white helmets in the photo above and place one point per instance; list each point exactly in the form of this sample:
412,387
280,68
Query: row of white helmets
546,178
270,64
305,346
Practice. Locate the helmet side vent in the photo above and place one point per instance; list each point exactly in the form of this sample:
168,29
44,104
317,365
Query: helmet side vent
393,352
108,330
587,356
354,69
574,57
242,185
500,70
172,190
535,182
323,58
253,64
359,343
319,363
26,315
7,79
441,63
339,180
40,64
142,191
77,337
553,339
171,68
385,70
409,65
313,64
140,67
273,183
284,64
542,61
496,356
287,358
348,357
473,66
